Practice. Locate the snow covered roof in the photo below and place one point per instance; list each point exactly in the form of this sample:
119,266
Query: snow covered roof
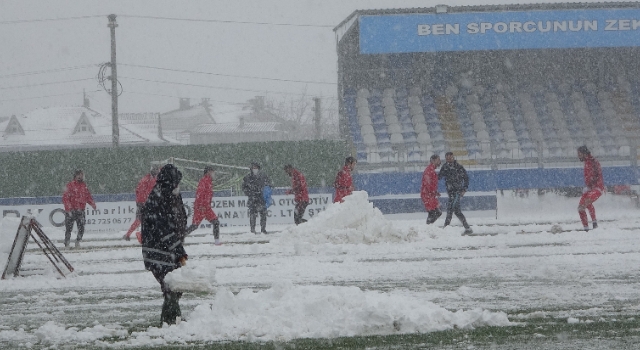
185,119
229,112
68,126
228,128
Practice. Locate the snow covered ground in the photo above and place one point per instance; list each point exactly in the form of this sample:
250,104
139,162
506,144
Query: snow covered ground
349,271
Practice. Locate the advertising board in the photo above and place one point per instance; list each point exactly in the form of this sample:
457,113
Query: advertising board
506,30
119,215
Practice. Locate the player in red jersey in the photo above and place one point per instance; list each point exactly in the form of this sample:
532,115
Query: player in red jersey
594,187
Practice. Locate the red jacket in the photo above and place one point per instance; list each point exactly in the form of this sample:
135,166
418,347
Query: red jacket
144,188
343,184
593,174
204,193
299,187
429,190
76,196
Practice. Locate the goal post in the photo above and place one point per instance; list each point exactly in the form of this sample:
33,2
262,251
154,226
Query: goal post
227,177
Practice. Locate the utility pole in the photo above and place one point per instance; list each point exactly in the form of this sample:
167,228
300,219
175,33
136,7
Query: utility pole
115,130
318,117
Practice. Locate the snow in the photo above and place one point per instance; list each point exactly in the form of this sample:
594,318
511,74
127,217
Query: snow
192,279
348,271
354,221
285,311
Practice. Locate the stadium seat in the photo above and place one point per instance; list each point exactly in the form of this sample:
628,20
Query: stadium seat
363,93
624,151
396,138
391,119
388,102
364,120
510,135
474,107
367,129
483,135
394,128
389,93
479,126
369,140
421,127
424,138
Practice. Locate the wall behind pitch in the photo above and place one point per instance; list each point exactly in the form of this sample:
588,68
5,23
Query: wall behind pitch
378,184
110,171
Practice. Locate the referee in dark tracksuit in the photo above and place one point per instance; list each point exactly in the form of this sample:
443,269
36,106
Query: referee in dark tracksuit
457,182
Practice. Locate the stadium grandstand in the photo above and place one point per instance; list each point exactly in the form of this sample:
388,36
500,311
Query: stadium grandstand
499,86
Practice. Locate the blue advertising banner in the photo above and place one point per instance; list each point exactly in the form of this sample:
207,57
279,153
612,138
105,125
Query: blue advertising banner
499,30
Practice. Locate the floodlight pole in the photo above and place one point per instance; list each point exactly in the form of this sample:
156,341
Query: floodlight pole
115,130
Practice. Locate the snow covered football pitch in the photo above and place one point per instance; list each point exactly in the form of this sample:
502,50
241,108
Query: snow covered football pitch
353,279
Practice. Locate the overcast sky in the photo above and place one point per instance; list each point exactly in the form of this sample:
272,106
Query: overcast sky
244,59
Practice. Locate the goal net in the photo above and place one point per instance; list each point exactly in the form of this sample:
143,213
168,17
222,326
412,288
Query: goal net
227,177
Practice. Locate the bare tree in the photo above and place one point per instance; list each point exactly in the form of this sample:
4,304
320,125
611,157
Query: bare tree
295,114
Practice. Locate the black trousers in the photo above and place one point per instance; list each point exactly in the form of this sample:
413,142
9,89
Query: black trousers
433,215
453,207
298,212
171,304
257,207
70,217
216,228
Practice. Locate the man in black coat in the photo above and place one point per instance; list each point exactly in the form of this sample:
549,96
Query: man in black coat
253,185
457,182
164,223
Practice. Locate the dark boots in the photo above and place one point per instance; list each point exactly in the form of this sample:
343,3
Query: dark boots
171,308
216,229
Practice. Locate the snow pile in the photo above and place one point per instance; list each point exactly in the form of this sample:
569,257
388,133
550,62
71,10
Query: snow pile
354,221
191,278
286,312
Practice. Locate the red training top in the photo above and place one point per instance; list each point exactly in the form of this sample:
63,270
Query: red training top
429,189
204,193
144,188
593,174
343,184
76,196
299,187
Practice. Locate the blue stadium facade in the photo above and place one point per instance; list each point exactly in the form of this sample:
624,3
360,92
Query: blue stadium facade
506,88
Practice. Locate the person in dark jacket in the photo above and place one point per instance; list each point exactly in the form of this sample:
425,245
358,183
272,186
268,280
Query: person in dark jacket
456,182
164,223
253,185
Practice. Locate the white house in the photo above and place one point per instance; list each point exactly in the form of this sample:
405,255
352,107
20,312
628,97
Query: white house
69,127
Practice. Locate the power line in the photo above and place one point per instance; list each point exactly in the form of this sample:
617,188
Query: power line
212,87
49,19
50,83
231,22
162,95
227,75
55,70
37,97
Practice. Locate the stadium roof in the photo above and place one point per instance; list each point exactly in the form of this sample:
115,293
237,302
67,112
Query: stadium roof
346,24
